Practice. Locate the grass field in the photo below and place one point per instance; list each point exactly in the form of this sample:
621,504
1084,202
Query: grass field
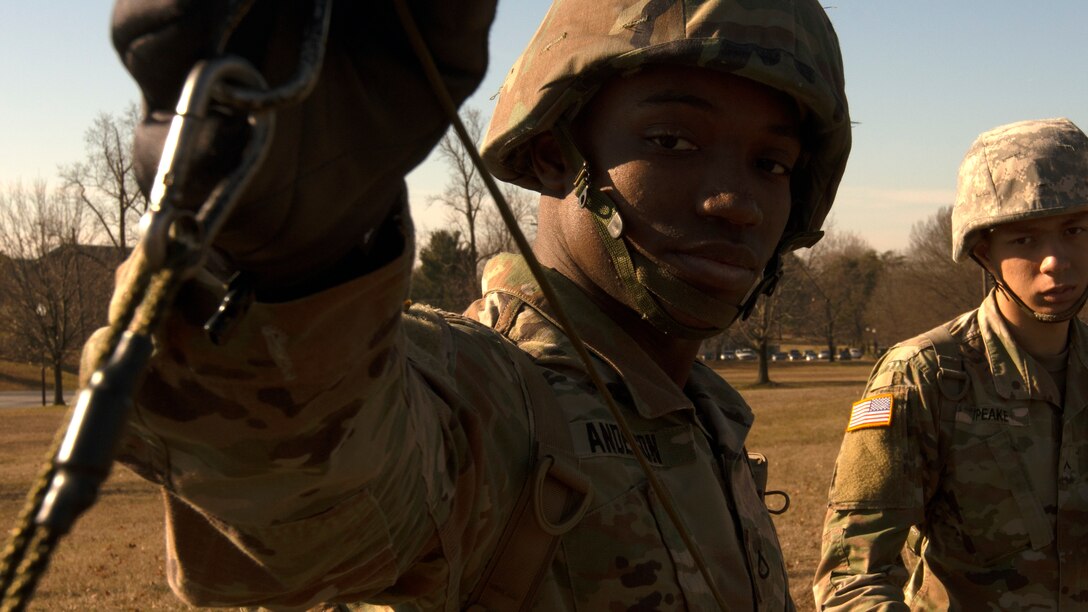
25,376
113,560
799,425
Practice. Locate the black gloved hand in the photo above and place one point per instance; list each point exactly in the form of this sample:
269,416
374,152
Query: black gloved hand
338,159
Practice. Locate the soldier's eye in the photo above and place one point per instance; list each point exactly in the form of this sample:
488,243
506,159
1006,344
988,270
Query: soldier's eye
774,167
671,142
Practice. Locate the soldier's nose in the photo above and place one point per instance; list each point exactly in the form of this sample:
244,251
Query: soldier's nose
739,207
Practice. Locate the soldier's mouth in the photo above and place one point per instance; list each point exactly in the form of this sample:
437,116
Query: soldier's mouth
713,274
1059,294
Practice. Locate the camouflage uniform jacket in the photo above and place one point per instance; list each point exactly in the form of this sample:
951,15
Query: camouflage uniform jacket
995,483
342,449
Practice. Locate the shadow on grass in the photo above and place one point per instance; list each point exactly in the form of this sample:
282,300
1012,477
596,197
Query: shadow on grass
22,381
16,495
799,385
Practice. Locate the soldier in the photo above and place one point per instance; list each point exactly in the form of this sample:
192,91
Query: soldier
969,443
340,448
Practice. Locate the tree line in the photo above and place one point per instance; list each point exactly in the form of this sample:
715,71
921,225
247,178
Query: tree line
60,243
842,292
451,260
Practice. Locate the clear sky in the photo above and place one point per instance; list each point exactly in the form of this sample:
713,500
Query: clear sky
924,77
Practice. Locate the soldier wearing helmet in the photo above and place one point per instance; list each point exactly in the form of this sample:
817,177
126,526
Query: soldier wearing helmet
341,448
969,443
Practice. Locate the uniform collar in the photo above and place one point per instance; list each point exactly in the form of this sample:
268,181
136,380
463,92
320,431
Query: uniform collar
653,393
1017,374
1078,346
1076,376
730,416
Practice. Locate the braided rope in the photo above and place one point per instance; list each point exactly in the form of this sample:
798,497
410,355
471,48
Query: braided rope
31,570
24,530
28,553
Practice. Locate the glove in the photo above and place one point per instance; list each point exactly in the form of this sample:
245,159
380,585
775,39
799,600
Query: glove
337,160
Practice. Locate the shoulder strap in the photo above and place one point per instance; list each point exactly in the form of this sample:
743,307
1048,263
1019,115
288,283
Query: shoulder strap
951,376
555,494
553,499
952,382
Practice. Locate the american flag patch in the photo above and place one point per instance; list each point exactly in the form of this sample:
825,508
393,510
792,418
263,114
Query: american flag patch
873,411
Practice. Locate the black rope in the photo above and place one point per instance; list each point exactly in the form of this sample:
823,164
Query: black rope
537,270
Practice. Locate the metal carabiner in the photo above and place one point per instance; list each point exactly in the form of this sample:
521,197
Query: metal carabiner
174,232
231,83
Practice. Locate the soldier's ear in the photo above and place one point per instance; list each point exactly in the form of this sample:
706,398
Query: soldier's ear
551,169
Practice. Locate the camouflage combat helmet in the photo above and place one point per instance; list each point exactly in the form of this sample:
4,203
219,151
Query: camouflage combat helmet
788,46
1019,171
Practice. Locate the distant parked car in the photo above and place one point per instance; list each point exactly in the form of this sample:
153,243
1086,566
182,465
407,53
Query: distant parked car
810,355
855,353
844,355
824,355
745,354
796,355
727,356
780,356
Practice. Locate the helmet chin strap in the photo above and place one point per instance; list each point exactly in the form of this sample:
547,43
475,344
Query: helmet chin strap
648,286
1003,287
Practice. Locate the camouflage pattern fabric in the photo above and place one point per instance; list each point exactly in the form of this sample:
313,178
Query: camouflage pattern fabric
626,554
342,449
1019,171
995,484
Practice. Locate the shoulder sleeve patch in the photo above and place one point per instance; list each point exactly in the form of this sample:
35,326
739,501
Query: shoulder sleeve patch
872,411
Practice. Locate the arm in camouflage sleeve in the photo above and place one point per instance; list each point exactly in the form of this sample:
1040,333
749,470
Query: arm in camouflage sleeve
323,456
314,458
884,476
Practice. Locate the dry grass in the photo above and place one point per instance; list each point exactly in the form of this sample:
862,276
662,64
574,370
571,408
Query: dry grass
799,426
113,560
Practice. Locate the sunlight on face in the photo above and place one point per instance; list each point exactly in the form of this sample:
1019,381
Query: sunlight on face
1044,261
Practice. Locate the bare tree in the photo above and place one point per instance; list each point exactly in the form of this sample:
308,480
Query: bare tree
105,181
842,271
496,236
783,308
465,193
50,291
756,331
953,287
925,288
471,212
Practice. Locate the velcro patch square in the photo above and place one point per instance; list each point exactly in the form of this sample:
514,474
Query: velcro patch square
873,411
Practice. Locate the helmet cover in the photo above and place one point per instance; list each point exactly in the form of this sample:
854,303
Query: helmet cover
1022,170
